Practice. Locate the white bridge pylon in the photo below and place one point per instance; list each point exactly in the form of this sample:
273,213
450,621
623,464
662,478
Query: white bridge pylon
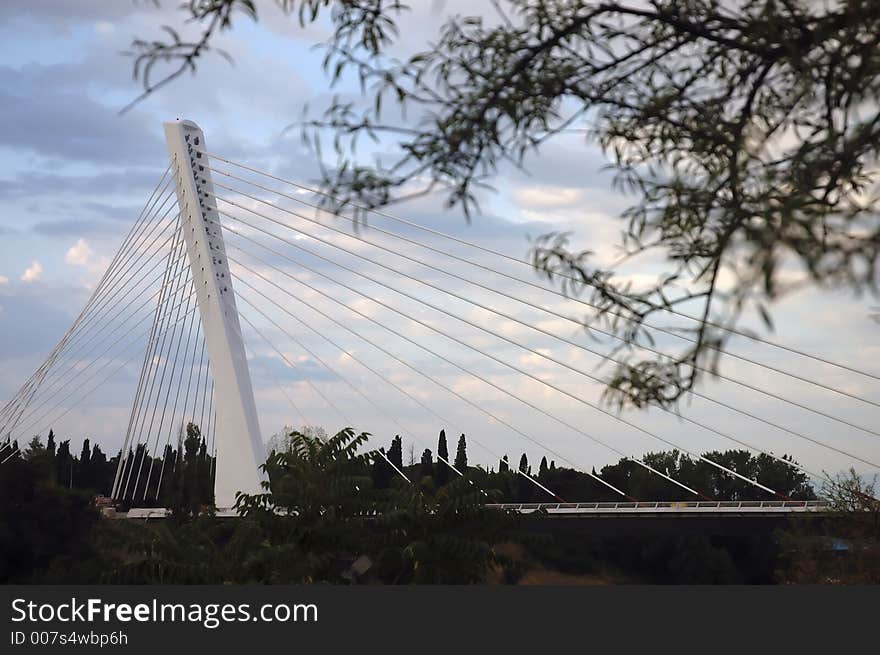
177,239
238,441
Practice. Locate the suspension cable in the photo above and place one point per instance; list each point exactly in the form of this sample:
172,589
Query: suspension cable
444,460
478,407
526,263
332,404
407,316
533,351
573,397
385,266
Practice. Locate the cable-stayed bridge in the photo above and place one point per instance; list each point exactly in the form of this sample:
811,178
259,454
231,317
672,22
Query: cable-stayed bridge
225,255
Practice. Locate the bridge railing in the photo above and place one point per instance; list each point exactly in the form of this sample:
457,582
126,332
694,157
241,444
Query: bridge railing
791,505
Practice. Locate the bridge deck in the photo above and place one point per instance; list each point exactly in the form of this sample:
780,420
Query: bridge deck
654,509
685,508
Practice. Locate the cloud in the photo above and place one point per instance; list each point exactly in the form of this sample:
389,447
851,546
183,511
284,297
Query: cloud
536,197
3,280
69,228
33,272
79,254
44,114
128,182
66,14
269,371
103,27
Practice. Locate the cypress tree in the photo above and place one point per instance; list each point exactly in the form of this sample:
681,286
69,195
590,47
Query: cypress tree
101,473
524,463
85,466
191,470
426,468
503,466
126,468
441,474
178,494
169,461
395,453
204,474
542,469
64,465
50,444
461,454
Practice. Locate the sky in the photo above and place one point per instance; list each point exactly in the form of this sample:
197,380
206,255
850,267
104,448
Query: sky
74,175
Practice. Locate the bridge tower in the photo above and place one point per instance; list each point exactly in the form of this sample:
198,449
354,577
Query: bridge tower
238,440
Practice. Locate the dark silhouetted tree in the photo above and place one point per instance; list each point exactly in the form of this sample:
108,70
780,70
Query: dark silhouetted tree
64,465
395,453
441,470
205,483
330,512
461,455
86,453
426,466
169,476
41,460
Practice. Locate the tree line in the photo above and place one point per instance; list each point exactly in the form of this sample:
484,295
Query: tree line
330,513
433,472
180,479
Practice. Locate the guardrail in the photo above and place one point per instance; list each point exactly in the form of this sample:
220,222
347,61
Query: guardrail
672,507
660,507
